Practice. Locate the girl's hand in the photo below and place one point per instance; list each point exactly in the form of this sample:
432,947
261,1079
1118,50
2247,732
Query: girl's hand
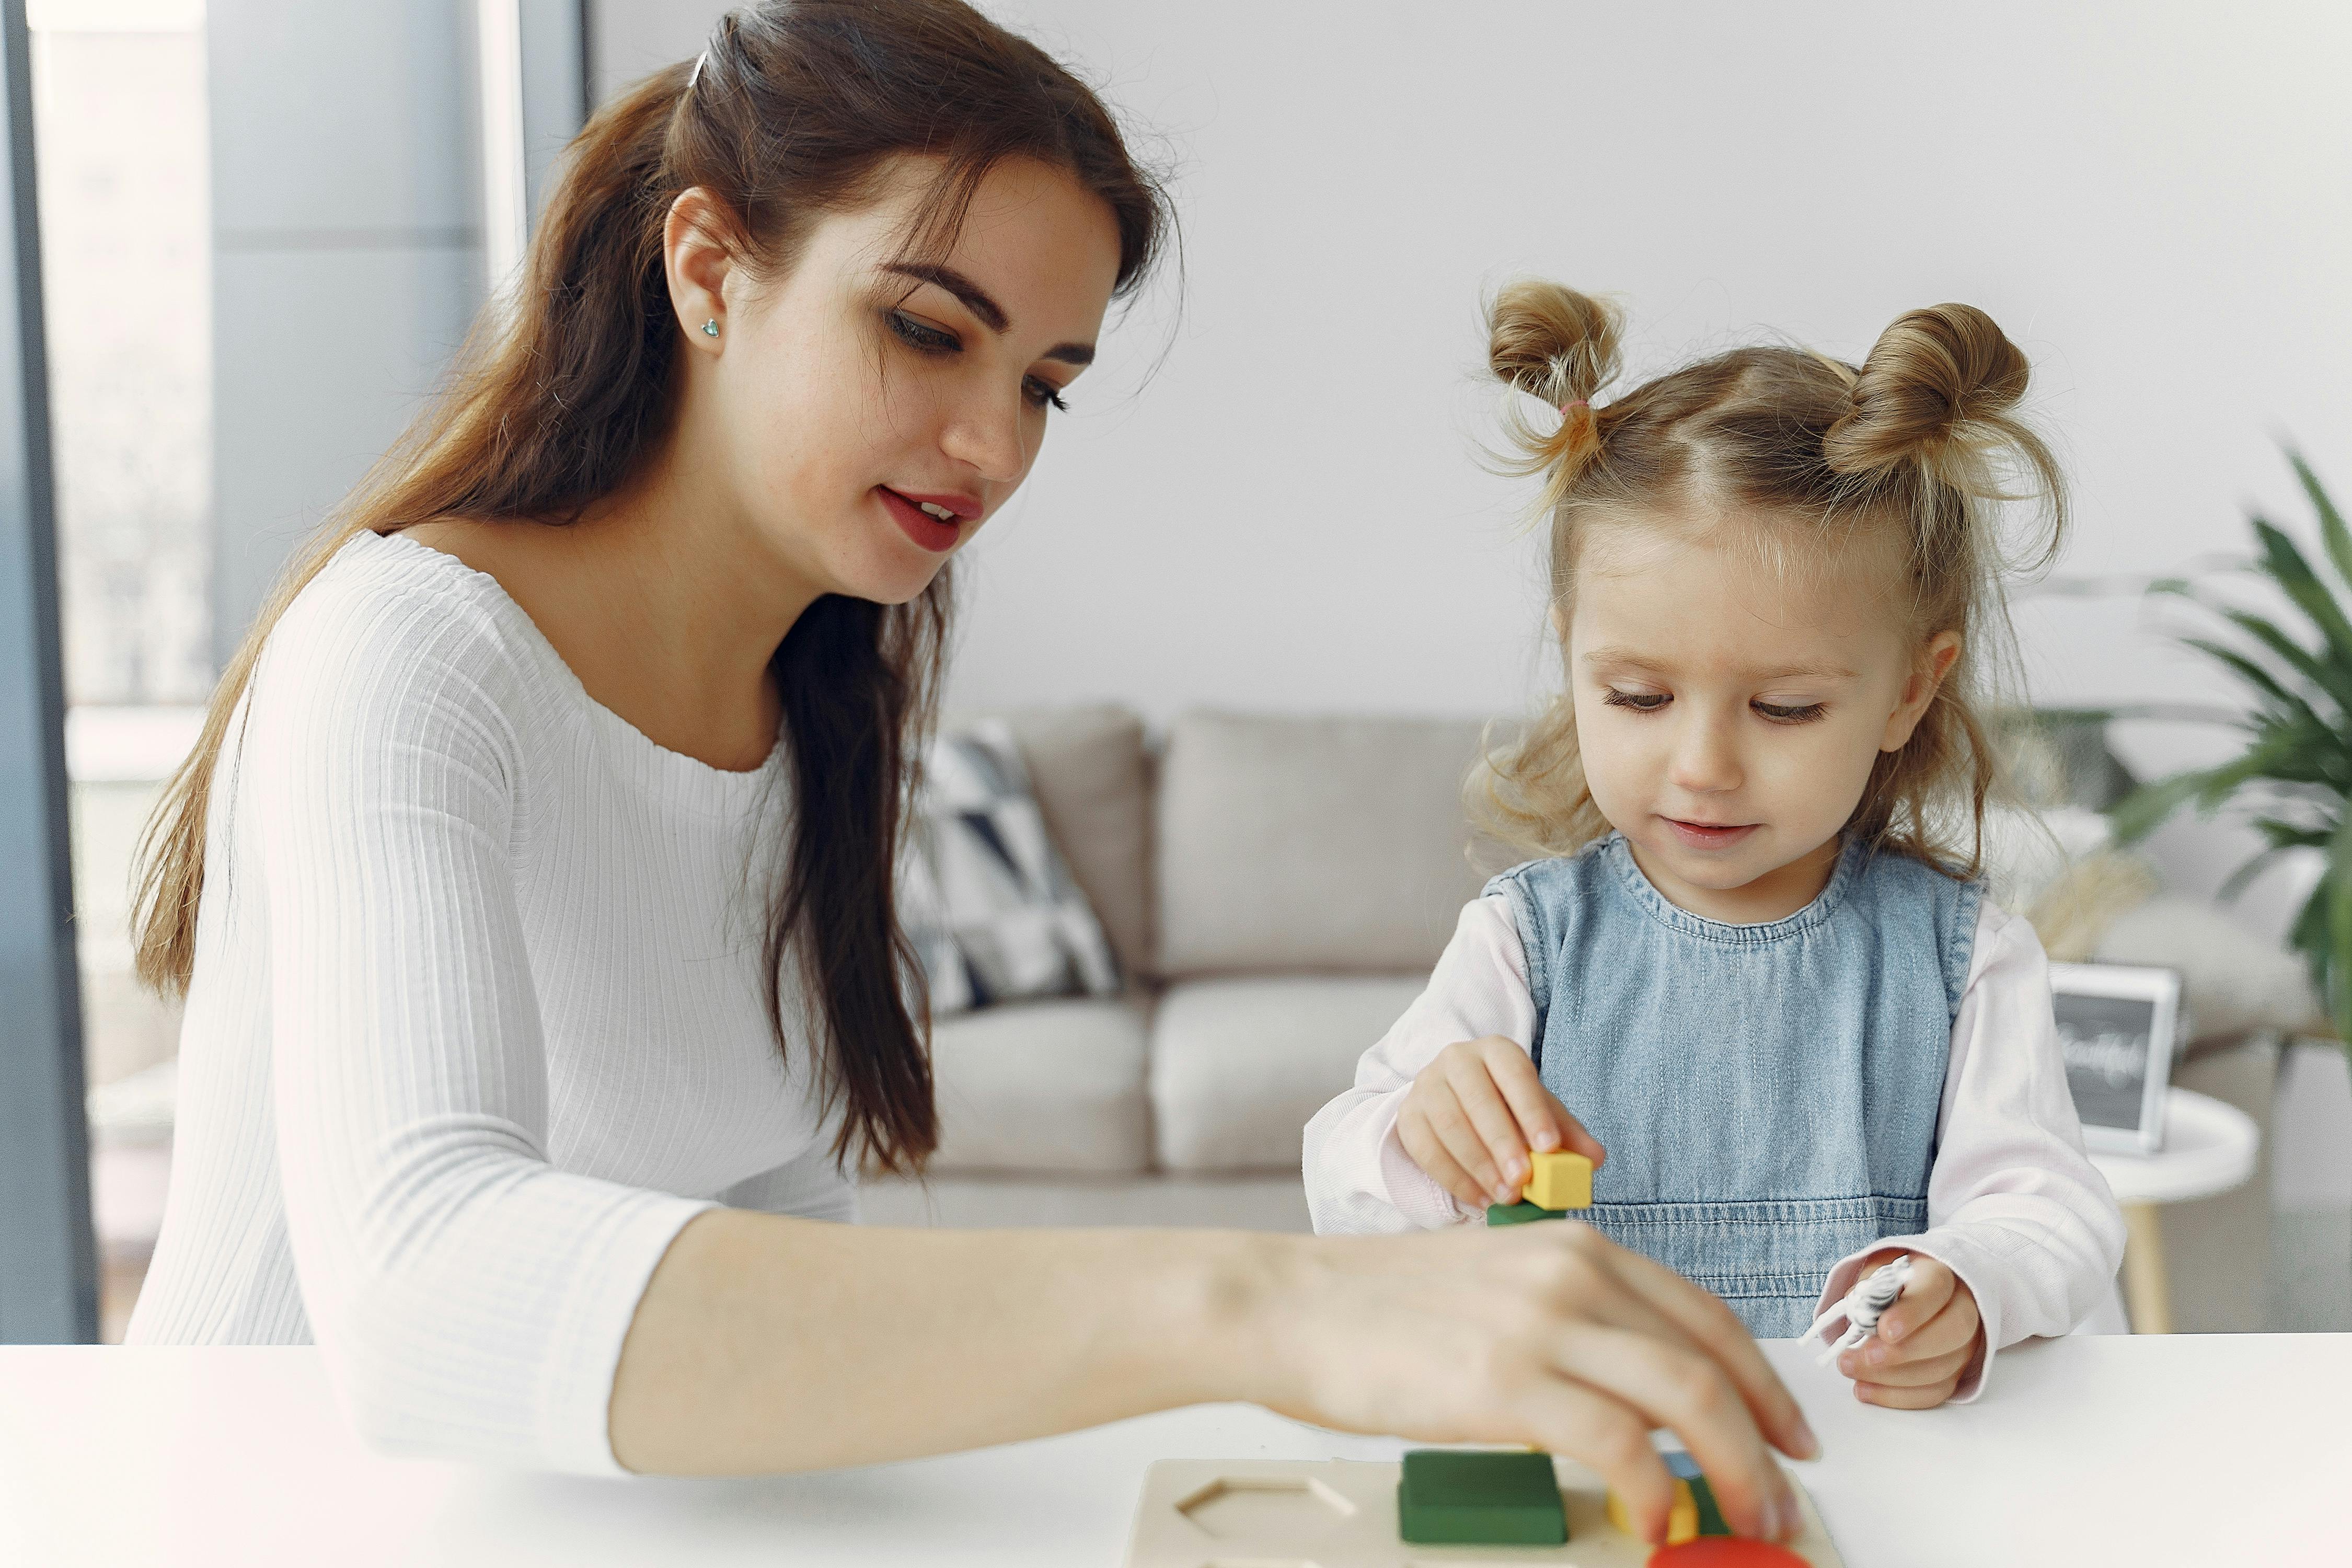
1925,1342
1544,1334
1472,1116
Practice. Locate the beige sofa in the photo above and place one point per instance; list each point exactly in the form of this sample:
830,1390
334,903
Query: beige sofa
1276,890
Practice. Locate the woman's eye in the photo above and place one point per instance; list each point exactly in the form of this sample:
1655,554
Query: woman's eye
922,334
1781,714
1042,394
1639,701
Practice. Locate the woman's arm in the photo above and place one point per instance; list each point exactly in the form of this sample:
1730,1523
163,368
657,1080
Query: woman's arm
1359,1180
764,1343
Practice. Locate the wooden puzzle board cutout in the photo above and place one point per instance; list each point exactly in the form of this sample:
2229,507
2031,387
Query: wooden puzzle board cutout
1343,1513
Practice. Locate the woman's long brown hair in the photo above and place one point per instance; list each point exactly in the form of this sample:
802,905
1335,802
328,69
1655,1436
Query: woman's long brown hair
560,398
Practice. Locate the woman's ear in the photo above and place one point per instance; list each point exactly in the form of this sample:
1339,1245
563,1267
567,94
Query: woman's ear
700,266
1927,672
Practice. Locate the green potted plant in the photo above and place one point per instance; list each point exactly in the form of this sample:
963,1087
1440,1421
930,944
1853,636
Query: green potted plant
2294,776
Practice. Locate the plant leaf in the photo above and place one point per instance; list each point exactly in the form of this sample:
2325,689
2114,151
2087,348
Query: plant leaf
2145,810
2286,566
2331,521
2337,988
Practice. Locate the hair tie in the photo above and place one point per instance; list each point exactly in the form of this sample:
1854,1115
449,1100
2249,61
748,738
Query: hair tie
1567,408
696,76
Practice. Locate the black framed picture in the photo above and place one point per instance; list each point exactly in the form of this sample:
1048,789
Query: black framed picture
2117,1027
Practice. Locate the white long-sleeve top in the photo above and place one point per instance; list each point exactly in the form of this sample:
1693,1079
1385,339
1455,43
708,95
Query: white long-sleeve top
2014,1208
475,1024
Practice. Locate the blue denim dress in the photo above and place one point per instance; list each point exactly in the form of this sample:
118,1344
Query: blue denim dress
1768,1093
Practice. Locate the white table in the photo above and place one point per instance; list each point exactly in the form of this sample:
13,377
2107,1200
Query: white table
2190,1449
2209,1148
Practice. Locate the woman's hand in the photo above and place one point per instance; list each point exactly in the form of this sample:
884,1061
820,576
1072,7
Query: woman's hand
1474,1113
1544,1334
1925,1342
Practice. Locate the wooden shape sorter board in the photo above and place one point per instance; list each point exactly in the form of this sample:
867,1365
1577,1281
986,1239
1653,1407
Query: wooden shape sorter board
1343,1513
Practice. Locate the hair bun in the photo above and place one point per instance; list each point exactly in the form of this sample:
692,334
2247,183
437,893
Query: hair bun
1938,389
1551,341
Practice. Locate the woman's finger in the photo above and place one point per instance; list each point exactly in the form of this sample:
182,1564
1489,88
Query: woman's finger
1702,1317
1482,1103
1692,1395
1608,1438
1543,1121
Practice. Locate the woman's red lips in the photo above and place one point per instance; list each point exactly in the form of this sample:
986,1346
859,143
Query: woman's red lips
928,531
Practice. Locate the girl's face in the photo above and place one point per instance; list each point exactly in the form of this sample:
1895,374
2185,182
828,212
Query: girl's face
871,411
1728,714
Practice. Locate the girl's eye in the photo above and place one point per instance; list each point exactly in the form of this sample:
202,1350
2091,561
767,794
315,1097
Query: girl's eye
1040,395
1784,715
1639,701
923,335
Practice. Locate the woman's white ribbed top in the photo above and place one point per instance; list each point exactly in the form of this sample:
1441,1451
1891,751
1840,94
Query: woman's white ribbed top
477,1023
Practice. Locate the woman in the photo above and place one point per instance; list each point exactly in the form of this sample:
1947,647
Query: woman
531,886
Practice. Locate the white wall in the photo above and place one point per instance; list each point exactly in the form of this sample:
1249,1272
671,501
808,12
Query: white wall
2152,198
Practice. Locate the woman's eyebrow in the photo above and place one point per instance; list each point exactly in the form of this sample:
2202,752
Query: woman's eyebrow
976,300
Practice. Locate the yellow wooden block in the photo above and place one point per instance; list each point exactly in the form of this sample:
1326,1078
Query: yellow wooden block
1682,1520
1559,1180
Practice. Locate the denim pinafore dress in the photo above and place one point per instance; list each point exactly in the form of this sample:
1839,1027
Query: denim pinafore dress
1768,1093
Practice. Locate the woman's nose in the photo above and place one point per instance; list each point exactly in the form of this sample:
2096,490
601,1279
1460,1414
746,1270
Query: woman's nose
989,435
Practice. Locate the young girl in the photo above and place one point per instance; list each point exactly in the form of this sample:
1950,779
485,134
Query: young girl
1755,977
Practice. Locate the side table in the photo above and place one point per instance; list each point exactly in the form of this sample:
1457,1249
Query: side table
2209,1148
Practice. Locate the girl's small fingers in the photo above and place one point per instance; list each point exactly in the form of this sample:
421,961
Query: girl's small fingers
1482,1102
1953,1329
1922,1371
1899,1398
1544,1124
1924,1296
1469,1150
1422,1147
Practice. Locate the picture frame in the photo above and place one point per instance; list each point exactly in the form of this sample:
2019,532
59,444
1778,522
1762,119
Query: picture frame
2118,1025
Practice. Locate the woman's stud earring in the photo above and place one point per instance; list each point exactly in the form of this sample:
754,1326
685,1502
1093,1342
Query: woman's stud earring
711,328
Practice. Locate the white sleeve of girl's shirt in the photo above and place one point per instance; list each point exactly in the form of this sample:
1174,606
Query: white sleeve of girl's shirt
2014,1207
469,1299
1359,1178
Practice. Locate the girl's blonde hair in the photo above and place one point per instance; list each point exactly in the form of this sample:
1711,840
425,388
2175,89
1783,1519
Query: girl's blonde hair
1919,446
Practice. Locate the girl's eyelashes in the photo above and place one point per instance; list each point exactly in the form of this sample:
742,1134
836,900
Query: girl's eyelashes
1778,713
939,343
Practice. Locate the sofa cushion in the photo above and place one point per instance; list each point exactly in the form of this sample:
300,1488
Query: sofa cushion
1238,1067
987,900
1055,1085
1092,777
1312,844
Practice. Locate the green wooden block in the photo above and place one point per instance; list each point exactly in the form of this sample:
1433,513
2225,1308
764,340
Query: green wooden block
1520,1214
1710,1517
1448,1498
